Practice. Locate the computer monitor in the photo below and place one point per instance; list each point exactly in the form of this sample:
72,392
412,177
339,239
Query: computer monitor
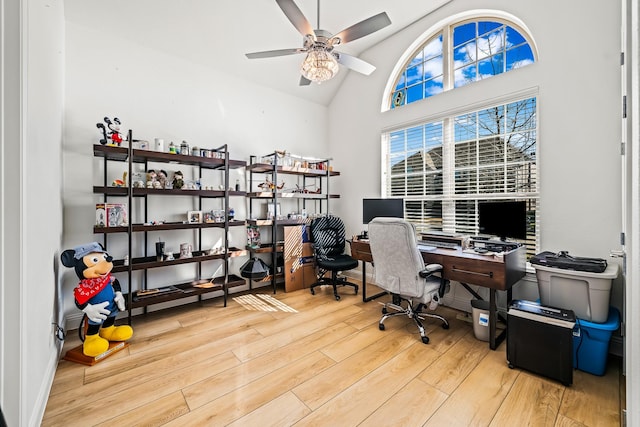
372,208
505,219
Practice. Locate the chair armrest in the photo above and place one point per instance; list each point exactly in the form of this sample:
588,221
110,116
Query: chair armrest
429,269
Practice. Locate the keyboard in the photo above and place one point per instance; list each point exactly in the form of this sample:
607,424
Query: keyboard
447,245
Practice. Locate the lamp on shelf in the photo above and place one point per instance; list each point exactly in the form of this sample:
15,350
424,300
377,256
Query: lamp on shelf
319,65
254,269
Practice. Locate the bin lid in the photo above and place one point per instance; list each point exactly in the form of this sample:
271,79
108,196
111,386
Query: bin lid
611,272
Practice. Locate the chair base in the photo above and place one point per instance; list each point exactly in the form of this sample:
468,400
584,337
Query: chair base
334,281
414,313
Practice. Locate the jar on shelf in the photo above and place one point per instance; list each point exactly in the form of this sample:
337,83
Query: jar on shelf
172,148
195,151
184,148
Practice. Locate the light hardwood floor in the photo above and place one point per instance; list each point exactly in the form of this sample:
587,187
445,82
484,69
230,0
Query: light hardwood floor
324,364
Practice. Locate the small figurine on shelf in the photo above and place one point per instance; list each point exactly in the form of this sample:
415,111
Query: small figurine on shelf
152,178
267,185
98,295
120,182
178,180
161,177
114,131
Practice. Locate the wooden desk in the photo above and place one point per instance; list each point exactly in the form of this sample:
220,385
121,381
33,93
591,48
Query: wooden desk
493,272
361,251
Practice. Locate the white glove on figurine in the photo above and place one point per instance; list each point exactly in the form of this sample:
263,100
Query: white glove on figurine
97,312
119,300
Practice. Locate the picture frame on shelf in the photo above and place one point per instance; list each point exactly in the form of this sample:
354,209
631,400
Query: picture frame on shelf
194,217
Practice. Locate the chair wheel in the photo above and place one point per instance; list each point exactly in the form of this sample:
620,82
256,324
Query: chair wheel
384,310
381,326
313,292
445,326
510,366
337,297
356,290
425,340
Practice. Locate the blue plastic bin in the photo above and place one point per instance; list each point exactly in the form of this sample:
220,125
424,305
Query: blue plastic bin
591,343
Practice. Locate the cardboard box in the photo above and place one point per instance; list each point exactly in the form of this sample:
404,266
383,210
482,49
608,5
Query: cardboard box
101,215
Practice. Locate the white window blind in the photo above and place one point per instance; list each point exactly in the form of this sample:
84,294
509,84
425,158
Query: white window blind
442,169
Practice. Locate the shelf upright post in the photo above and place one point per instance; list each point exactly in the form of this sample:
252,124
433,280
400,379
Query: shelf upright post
274,228
129,223
328,193
226,224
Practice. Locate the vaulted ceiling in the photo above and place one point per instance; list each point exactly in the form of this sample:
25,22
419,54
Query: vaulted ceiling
218,33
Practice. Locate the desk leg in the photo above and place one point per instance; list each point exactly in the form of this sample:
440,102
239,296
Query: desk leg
364,285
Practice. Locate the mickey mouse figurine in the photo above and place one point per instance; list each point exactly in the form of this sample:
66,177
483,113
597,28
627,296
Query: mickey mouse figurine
98,295
114,127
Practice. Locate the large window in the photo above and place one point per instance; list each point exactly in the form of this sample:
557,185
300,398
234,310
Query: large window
444,168
477,50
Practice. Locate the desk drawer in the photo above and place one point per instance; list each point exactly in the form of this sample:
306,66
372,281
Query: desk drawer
480,272
476,272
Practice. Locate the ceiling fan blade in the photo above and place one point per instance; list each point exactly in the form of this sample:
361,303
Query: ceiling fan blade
364,28
272,53
356,64
296,17
304,81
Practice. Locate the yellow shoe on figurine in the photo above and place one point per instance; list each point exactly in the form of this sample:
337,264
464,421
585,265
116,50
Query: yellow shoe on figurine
94,345
117,333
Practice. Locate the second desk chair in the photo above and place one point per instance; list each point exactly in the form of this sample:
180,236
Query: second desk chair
400,270
328,238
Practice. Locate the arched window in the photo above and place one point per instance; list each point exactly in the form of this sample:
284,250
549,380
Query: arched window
478,49
484,148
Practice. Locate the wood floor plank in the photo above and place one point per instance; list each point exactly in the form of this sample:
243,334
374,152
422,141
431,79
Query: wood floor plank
563,421
156,413
245,399
120,381
418,401
299,327
95,408
341,349
284,410
478,397
593,400
531,398
358,402
331,382
454,366
225,382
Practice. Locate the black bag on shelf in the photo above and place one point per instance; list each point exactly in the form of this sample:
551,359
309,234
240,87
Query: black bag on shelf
562,259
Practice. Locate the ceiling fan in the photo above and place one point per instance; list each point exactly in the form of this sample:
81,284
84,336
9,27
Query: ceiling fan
321,62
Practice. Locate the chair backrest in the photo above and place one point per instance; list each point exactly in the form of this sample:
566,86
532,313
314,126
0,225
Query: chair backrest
396,257
327,236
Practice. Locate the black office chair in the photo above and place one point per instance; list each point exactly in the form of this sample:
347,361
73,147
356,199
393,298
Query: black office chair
401,271
328,239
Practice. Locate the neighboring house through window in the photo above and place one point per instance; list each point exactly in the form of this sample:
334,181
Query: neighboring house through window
443,167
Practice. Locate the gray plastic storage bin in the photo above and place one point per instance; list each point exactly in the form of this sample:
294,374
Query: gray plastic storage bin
481,319
586,293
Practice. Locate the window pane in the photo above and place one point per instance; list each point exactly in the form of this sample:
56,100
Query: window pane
416,59
465,153
414,93
396,141
433,67
464,33
464,76
464,54
486,26
433,87
490,44
399,98
519,57
433,48
491,66
514,37
491,180
414,138
491,121
521,115
466,181
414,74
491,151
415,185
433,184
521,147
465,127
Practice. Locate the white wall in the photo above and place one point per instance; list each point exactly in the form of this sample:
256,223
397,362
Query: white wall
157,95
577,78
31,208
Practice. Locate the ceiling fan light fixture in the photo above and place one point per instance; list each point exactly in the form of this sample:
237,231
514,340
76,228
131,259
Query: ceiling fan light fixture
319,65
